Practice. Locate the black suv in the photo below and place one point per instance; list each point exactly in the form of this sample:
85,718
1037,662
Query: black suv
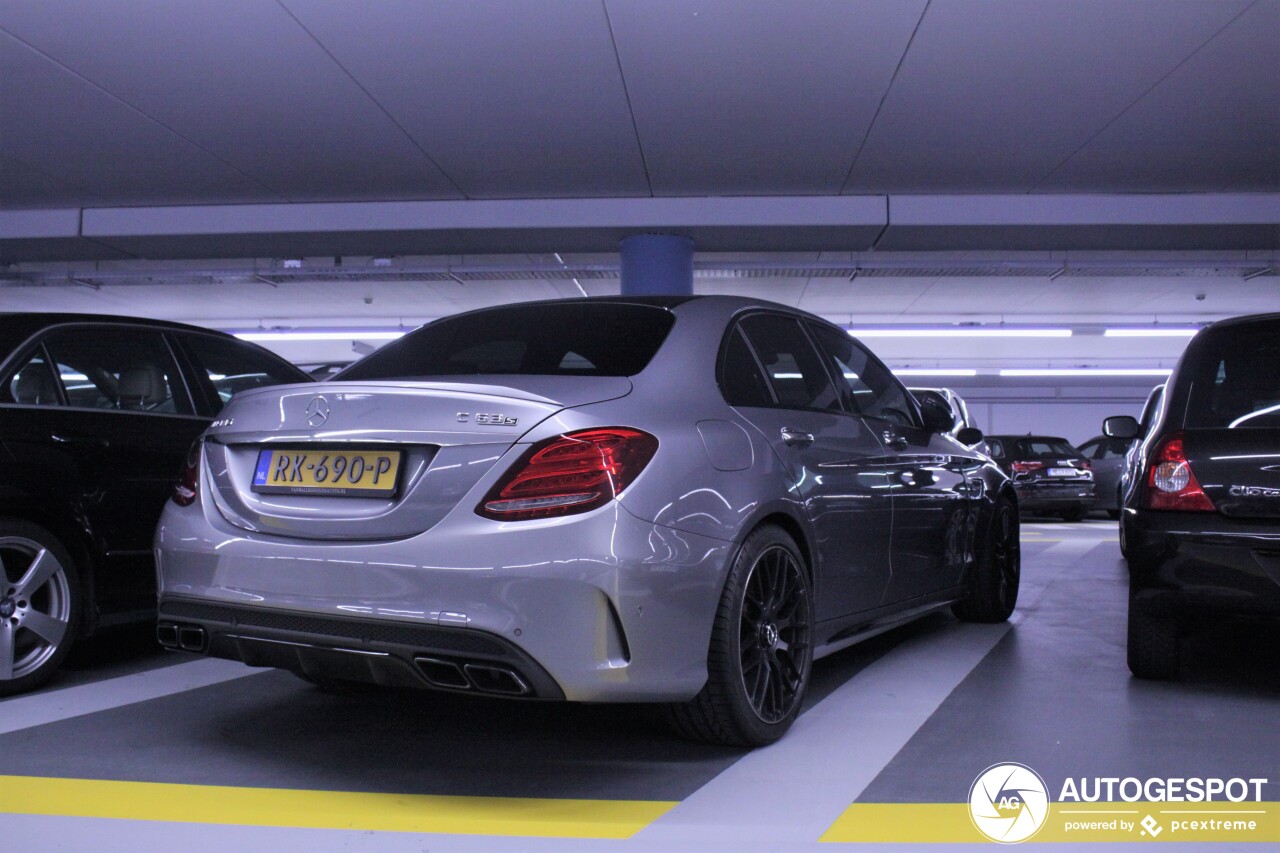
1050,476
1200,517
97,415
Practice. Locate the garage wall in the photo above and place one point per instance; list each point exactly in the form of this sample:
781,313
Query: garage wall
1074,413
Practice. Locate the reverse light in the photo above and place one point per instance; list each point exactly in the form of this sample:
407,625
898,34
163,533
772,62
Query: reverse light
1171,484
569,474
187,489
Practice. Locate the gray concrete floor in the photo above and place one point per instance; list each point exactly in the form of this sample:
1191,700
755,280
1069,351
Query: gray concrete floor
909,717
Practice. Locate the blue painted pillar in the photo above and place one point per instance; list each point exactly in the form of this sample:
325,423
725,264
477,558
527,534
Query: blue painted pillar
657,265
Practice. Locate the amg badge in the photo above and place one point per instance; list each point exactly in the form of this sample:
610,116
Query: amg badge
485,419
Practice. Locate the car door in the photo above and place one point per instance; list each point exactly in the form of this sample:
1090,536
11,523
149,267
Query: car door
929,476
827,452
103,437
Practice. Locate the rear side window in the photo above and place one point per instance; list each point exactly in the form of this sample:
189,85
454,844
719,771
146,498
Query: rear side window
128,370
741,381
791,364
872,389
1236,383
233,366
544,339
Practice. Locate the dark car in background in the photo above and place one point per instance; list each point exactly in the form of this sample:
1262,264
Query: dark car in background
1200,516
1050,476
97,416
960,417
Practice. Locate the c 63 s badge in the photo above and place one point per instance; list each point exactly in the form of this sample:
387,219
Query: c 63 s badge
485,419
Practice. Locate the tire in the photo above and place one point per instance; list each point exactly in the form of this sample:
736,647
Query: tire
1153,643
39,610
993,591
761,653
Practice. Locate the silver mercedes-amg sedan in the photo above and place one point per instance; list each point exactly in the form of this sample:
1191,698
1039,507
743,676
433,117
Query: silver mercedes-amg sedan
675,500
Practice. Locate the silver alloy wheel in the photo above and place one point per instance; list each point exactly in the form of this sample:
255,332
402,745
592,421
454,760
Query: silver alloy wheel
35,606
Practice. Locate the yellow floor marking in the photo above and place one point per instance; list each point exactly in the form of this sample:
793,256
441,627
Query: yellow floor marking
328,809
941,823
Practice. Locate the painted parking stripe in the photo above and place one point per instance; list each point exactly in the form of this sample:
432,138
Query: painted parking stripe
21,712
270,807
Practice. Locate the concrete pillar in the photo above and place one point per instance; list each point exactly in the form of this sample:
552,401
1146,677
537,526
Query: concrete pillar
657,265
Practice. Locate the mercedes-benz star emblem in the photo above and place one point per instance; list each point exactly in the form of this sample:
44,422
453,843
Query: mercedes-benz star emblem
317,411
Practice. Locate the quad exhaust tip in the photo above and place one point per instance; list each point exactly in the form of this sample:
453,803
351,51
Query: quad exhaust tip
189,638
481,677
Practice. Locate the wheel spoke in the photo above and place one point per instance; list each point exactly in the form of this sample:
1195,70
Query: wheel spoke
46,627
7,651
41,570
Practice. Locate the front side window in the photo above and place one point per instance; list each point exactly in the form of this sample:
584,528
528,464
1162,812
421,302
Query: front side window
128,370
792,366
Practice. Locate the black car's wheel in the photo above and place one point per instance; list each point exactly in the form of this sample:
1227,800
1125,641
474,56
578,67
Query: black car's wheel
39,605
1153,642
993,590
761,650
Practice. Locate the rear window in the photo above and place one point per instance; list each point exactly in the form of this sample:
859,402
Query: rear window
545,339
1042,446
1236,380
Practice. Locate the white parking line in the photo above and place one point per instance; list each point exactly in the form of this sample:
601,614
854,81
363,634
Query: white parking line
22,712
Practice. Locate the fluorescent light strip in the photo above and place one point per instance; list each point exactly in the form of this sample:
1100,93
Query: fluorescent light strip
934,371
960,333
1149,333
1085,371
304,335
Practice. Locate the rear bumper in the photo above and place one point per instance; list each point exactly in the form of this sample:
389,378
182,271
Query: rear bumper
1054,497
1193,563
596,607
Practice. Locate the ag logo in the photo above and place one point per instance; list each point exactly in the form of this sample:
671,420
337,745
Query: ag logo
1008,803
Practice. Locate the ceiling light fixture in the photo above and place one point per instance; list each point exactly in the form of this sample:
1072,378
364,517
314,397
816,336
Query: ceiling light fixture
319,335
1086,371
887,332
1152,332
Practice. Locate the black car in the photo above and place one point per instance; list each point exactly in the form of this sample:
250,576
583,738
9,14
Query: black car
1050,476
1200,516
97,415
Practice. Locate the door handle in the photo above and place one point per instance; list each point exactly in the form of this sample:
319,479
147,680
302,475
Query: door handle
897,442
796,438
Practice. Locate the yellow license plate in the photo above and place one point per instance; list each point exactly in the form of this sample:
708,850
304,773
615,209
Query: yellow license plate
360,473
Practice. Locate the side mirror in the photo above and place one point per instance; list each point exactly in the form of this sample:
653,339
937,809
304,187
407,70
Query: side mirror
936,411
969,436
1121,426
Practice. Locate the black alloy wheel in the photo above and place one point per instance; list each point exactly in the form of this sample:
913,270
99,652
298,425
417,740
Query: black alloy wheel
761,654
997,572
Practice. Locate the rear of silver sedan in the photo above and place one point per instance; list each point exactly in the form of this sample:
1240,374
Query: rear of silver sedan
455,569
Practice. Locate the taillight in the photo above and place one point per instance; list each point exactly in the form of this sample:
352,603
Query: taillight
186,489
1171,484
571,473
1026,467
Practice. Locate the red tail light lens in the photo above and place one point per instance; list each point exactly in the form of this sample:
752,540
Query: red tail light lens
571,473
1171,484
1026,467
186,489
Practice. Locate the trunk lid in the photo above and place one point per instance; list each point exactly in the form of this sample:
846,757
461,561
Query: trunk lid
444,436
1239,469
